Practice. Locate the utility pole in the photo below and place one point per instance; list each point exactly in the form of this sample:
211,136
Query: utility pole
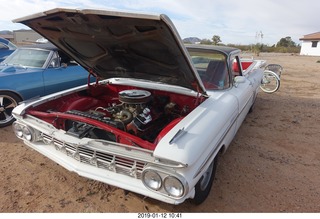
259,37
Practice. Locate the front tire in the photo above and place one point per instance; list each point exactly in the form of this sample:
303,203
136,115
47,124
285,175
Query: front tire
203,186
8,101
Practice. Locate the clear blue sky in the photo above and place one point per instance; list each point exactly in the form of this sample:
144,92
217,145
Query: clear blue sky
234,21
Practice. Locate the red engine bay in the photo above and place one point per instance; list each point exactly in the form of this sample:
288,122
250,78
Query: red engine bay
123,114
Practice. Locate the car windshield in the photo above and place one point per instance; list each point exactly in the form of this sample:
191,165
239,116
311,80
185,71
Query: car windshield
34,58
212,69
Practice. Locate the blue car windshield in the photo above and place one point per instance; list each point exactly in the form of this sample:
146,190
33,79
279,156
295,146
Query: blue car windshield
33,58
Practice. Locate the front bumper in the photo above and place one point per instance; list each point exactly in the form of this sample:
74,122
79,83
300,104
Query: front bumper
113,168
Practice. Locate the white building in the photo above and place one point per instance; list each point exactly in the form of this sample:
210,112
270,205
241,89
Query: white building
310,44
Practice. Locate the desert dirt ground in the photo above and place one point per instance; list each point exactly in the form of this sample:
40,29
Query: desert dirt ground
272,164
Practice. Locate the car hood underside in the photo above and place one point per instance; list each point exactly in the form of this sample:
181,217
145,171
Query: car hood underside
119,44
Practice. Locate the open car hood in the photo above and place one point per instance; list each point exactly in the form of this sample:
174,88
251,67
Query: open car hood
119,44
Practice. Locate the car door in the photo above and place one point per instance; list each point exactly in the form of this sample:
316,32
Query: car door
59,75
243,90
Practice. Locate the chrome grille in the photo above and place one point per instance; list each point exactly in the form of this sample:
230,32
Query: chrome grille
100,159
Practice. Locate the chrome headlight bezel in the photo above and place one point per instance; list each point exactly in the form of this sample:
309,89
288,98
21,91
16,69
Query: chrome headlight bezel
28,133
17,129
165,176
24,132
151,179
173,186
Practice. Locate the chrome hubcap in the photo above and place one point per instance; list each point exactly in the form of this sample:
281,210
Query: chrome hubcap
7,104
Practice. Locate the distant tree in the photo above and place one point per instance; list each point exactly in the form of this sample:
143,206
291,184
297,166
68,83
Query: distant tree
216,40
206,41
286,42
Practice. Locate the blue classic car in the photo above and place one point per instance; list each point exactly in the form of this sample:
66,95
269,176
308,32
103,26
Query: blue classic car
35,71
6,48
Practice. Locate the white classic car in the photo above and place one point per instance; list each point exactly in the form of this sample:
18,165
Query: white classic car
159,114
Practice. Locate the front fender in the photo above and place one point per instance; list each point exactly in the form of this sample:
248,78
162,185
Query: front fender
199,133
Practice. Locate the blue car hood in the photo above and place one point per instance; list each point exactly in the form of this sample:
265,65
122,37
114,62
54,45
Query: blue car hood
15,69
7,69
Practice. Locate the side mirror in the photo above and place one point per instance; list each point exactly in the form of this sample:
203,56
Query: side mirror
238,80
54,63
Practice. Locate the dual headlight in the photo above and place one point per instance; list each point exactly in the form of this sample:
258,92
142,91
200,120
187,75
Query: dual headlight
163,183
23,131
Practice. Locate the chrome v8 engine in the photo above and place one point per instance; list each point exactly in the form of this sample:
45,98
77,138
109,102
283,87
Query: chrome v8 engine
138,113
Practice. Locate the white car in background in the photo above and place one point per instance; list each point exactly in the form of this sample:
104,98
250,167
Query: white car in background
159,114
